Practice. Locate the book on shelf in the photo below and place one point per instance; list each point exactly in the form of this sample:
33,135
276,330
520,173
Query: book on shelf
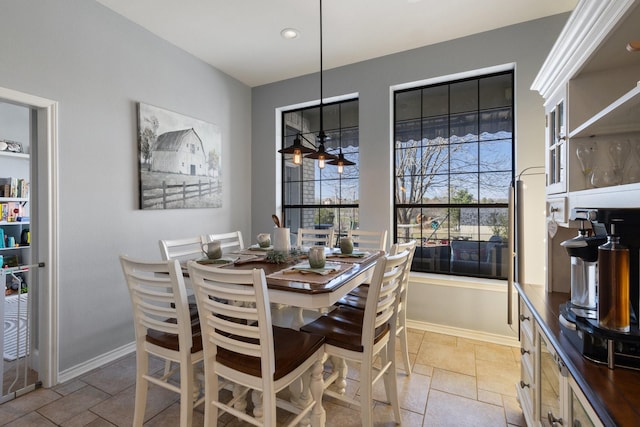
10,211
14,187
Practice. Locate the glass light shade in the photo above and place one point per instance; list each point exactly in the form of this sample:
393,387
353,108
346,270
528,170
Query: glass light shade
321,162
297,157
340,167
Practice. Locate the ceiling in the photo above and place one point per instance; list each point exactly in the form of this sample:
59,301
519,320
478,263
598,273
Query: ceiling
242,37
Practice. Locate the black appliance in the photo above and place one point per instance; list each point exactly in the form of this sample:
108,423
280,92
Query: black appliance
582,329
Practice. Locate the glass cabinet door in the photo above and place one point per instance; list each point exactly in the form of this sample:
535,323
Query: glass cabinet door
556,149
552,380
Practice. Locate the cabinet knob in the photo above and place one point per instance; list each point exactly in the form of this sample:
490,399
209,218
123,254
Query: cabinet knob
523,318
553,420
523,351
523,384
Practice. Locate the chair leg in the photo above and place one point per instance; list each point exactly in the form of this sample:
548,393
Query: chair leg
390,379
318,414
186,392
142,385
366,393
211,390
404,349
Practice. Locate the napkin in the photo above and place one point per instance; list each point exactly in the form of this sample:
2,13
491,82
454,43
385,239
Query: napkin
307,269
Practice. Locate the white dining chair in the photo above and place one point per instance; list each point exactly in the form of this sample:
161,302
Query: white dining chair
182,249
164,329
357,298
315,237
242,346
229,242
368,240
363,336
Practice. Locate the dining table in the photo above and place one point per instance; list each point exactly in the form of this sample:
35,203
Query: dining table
291,284
305,290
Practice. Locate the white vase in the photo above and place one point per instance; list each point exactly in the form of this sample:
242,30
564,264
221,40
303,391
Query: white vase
281,239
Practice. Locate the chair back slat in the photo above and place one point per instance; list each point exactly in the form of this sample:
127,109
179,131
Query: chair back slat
315,237
365,240
229,242
181,249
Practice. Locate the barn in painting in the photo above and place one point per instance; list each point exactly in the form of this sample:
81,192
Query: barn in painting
179,151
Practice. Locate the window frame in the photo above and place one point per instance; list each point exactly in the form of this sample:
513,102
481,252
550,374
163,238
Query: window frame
482,208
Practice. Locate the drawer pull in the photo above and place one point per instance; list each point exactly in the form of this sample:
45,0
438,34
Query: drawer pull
523,351
523,384
553,420
523,318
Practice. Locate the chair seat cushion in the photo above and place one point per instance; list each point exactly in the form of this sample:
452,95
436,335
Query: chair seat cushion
170,341
357,298
342,328
291,348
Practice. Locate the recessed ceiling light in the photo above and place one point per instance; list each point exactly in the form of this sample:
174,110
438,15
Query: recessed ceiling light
290,33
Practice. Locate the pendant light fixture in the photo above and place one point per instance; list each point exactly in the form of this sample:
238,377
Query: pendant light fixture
320,153
297,149
341,162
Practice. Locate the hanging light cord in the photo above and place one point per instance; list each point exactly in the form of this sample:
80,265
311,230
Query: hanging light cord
321,134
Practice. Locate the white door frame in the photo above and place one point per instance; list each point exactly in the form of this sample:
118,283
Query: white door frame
45,199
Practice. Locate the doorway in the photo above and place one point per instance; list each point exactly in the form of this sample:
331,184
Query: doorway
29,159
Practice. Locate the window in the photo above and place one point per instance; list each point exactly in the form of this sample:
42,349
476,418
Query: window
454,162
321,198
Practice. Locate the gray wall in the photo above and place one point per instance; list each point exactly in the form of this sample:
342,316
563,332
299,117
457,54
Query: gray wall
525,44
97,65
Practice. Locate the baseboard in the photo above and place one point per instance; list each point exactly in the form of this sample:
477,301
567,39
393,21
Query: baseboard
96,362
464,333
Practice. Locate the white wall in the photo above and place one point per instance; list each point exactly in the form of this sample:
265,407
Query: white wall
98,65
525,44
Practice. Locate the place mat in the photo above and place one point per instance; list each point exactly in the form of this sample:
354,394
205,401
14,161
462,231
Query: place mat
355,258
223,260
304,273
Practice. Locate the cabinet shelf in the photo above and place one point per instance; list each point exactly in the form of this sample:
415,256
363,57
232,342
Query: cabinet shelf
619,117
14,155
5,223
15,248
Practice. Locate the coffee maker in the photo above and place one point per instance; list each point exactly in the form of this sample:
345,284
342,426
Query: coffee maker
578,317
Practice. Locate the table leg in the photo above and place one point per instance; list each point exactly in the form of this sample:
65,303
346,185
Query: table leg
340,366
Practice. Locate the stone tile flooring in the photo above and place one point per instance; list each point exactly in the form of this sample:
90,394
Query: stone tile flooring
455,382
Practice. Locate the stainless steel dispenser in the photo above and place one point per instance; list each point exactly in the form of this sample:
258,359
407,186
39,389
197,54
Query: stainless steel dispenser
583,250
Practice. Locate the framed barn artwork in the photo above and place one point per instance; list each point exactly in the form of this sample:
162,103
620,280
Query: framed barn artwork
179,160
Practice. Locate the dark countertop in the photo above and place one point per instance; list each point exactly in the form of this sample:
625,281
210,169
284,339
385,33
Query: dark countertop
614,394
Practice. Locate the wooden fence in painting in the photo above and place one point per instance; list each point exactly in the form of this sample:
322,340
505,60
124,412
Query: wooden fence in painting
173,195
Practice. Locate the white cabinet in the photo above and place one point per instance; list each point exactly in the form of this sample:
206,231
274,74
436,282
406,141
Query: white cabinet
591,86
548,394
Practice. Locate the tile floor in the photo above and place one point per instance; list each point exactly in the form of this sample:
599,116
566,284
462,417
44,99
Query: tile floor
455,382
